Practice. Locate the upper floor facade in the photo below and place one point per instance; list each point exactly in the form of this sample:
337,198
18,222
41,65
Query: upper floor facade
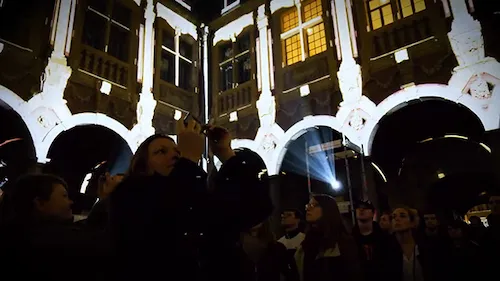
142,63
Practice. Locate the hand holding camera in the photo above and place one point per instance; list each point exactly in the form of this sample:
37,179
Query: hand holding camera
190,140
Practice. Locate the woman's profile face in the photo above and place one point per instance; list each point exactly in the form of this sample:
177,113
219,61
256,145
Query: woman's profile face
162,156
313,211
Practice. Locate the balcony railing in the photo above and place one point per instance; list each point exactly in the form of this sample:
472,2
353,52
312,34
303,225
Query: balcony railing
103,65
403,33
242,96
176,97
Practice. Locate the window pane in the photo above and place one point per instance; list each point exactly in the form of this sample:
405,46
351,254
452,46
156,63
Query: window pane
244,68
243,43
121,14
387,13
167,67
98,5
419,5
316,40
293,52
311,10
118,42
226,52
227,76
406,8
185,75
185,49
94,31
168,41
289,20
229,2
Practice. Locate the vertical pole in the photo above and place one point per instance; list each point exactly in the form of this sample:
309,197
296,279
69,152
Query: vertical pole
307,167
348,175
363,174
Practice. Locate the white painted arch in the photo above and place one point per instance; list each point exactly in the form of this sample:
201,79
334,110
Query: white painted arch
82,119
300,128
11,99
399,99
17,104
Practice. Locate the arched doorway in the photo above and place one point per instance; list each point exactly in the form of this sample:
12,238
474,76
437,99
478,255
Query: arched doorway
419,145
316,162
17,152
79,151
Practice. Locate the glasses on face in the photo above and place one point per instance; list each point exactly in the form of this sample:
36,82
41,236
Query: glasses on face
311,206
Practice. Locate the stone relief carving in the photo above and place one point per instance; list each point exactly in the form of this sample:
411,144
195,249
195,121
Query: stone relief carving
45,117
356,120
350,82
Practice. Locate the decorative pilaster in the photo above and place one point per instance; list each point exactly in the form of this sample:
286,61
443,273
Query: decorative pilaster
475,73
147,104
350,80
266,104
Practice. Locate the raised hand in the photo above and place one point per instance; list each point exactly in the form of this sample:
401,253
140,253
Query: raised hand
190,140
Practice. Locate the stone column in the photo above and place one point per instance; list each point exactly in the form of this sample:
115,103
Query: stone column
349,75
266,104
147,102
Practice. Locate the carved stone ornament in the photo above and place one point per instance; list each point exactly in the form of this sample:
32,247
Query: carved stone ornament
45,117
269,143
350,81
479,89
266,106
356,121
146,110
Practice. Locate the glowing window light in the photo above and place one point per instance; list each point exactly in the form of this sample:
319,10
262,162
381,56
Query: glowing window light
485,147
379,171
441,175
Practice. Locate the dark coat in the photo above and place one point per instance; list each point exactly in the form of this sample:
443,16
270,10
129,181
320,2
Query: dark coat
379,254
274,265
158,222
239,200
54,251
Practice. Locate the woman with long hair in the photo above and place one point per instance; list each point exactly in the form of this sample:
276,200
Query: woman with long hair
328,251
156,213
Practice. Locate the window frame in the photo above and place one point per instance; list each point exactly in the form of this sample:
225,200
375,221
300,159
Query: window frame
301,30
109,23
397,12
234,60
226,8
184,4
165,29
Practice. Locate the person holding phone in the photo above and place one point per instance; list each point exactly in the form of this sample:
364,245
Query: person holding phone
157,212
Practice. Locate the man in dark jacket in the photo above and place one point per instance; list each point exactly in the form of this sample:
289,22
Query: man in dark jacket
380,255
239,200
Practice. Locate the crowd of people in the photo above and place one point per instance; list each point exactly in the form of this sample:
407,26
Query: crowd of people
166,219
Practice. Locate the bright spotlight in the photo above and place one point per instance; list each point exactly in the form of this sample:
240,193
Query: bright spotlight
441,175
336,184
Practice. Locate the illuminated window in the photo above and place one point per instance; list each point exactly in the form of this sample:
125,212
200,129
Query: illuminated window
384,12
303,32
410,7
235,62
177,61
107,28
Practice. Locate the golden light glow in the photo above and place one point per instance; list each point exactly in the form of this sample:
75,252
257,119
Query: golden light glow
290,20
311,10
293,52
316,41
441,175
